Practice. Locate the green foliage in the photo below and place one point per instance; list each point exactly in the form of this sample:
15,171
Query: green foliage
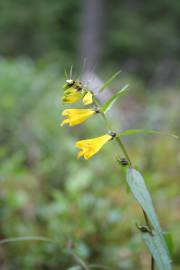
39,28
135,31
131,34
45,192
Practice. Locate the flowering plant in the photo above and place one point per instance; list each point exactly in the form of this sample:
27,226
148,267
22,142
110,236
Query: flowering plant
151,232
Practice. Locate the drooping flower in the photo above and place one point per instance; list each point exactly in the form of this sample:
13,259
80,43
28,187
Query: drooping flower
88,98
76,116
73,84
71,95
91,146
74,91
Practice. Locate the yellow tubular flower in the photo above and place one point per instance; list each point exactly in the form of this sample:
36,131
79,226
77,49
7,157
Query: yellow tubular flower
71,95
88,98
76,116
92,146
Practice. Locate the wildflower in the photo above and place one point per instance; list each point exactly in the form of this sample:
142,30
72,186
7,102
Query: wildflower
71,95
74,91
88,98
76,116
91,146
73,84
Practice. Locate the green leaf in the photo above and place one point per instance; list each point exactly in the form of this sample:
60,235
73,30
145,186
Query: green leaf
145,131
107,83
107,106
169,241
158,251
142,195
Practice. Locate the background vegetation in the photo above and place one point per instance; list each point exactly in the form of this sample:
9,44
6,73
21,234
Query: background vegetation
44,190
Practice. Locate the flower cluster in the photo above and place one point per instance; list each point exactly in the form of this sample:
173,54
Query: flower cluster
73,92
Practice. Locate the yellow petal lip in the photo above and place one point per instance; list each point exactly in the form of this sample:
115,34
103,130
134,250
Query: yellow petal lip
71,95
76,116
88,98
90,147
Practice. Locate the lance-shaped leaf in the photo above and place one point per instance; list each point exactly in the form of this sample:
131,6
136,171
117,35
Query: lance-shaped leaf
107,83
107,106
142,195
158,251
144,131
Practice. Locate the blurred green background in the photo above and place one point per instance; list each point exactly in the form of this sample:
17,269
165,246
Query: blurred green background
44,190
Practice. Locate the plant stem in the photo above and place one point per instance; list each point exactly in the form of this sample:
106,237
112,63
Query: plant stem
152,264
118,140
123,149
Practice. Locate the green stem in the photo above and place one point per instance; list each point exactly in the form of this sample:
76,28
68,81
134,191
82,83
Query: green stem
152,264
123,149
118,140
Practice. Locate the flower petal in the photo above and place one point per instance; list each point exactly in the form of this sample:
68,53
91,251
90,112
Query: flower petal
77,116
91,146
88,98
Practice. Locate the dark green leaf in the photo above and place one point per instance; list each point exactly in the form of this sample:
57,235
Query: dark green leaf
107,83
112,99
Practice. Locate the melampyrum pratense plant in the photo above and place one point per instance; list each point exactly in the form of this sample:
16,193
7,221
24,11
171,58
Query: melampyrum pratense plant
75,90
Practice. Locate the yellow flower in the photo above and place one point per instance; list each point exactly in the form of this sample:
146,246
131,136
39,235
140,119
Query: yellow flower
74,91
76,116
88,98
71,95
73,84
92,146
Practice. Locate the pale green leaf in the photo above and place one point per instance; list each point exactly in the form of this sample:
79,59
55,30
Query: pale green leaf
158,251
107,83
107,106
142,195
